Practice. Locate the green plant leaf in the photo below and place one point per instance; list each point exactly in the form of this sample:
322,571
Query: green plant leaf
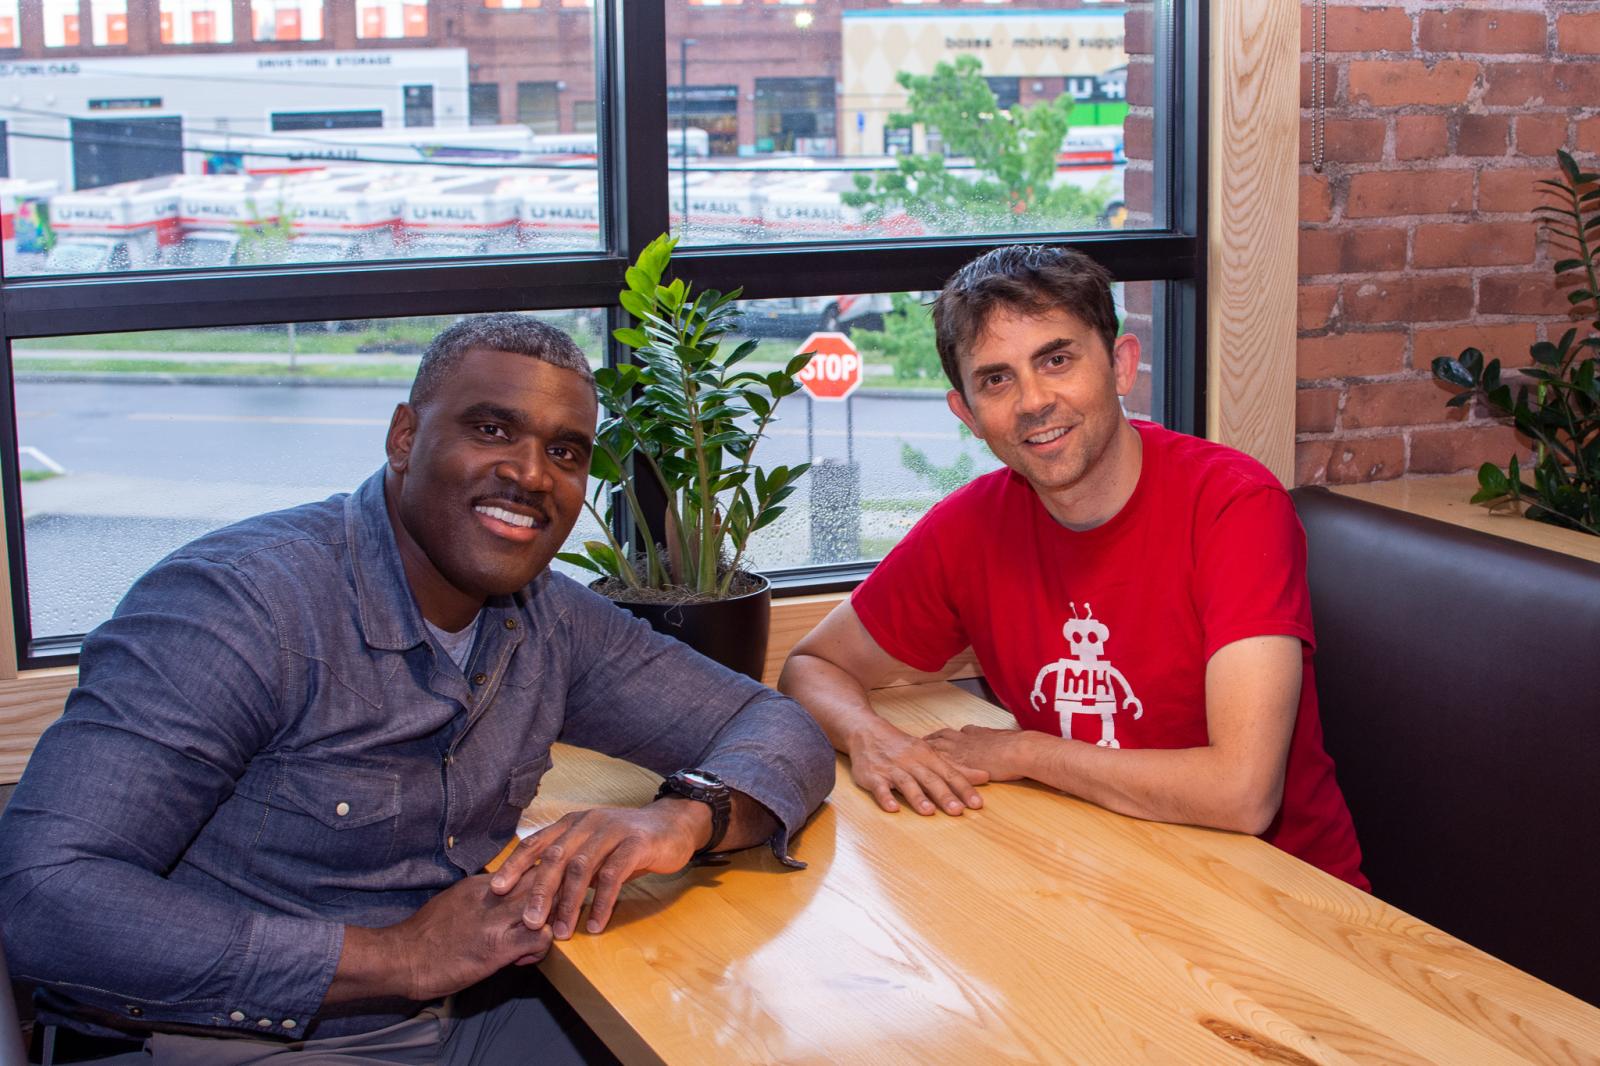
603,468
582,561
640,281
1493,483
1452,372
636,305
632,336
739,354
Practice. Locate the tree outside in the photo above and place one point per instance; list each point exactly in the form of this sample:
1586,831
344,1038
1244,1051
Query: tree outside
1012,184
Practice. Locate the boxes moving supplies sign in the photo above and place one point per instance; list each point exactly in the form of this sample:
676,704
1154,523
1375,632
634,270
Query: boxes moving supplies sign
835,369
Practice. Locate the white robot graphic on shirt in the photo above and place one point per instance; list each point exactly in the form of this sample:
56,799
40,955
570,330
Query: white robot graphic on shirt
1084,684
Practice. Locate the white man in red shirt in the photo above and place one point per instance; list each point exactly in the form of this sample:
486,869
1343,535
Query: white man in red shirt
1135,597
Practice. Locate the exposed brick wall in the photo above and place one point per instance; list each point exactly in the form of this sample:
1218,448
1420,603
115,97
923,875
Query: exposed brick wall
1417,239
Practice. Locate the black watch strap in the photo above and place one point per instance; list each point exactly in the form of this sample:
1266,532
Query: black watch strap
707,788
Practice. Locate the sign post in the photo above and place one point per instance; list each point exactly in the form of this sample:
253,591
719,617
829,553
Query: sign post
833,373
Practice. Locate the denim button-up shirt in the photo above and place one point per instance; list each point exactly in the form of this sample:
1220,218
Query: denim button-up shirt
266,745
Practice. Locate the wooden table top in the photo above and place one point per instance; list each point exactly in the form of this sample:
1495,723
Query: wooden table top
1039,929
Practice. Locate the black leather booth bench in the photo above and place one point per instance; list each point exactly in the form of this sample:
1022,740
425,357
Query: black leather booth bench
1458,676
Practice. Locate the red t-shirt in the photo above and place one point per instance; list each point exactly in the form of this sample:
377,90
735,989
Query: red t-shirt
1090,628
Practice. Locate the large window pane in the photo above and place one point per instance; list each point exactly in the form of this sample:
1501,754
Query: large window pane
182,152
889,451
287,20
133,444
881,119
191,21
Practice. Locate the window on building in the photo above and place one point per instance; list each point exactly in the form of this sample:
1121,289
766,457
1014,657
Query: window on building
287,20
1007,91
391,19
108,20
584,117
280,215
419,105
9,34
796,115
60,23
712,111
538,106
483,103
195,21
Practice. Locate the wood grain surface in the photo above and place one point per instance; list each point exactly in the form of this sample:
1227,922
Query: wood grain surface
1445,498
1253,229
1040,929
29,704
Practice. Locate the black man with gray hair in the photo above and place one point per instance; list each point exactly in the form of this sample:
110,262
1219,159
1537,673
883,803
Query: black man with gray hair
257,830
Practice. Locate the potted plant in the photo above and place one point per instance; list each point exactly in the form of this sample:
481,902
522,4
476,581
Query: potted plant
1557,404
687,416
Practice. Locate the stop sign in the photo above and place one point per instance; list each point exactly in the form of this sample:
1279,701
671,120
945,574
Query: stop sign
834,371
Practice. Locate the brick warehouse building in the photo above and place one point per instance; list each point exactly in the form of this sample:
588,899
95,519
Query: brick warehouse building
759,75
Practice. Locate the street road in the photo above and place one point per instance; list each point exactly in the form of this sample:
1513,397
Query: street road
150,466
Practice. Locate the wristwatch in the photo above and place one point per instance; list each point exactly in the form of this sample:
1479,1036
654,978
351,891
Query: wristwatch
705,787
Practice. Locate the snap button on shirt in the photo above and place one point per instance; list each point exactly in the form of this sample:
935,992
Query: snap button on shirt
237,1016
342,809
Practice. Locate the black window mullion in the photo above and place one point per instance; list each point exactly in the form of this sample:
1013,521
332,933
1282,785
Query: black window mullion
1187,164
827,270
42,308
637,72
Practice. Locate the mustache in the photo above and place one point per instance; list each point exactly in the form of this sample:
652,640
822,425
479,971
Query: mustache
528,501
1026,424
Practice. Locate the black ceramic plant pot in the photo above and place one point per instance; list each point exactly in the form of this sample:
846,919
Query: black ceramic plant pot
733,631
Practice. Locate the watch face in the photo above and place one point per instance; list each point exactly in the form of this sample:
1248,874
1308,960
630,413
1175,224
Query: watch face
700,779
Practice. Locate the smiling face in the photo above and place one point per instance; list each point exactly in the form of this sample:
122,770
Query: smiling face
486,479
1042,391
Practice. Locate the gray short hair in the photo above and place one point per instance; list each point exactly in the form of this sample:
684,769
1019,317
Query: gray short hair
502,331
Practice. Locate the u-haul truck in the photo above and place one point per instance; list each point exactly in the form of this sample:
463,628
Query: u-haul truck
724,206
473,214
561,214
125,226
227,219
348,218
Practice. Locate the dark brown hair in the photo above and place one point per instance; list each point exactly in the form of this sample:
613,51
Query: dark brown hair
1028,278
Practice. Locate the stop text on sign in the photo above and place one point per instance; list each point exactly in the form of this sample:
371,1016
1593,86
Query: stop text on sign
834,371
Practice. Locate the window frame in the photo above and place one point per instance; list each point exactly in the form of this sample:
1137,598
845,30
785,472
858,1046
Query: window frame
632,114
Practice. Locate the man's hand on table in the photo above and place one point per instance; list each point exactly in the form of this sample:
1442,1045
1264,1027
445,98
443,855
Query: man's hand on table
552,870
1003,754
885,760
459,937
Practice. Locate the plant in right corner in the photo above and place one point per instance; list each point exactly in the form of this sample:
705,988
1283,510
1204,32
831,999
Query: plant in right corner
1557,404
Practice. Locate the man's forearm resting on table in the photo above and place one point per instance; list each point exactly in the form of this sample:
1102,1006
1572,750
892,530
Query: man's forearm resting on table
1192,786
836,699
